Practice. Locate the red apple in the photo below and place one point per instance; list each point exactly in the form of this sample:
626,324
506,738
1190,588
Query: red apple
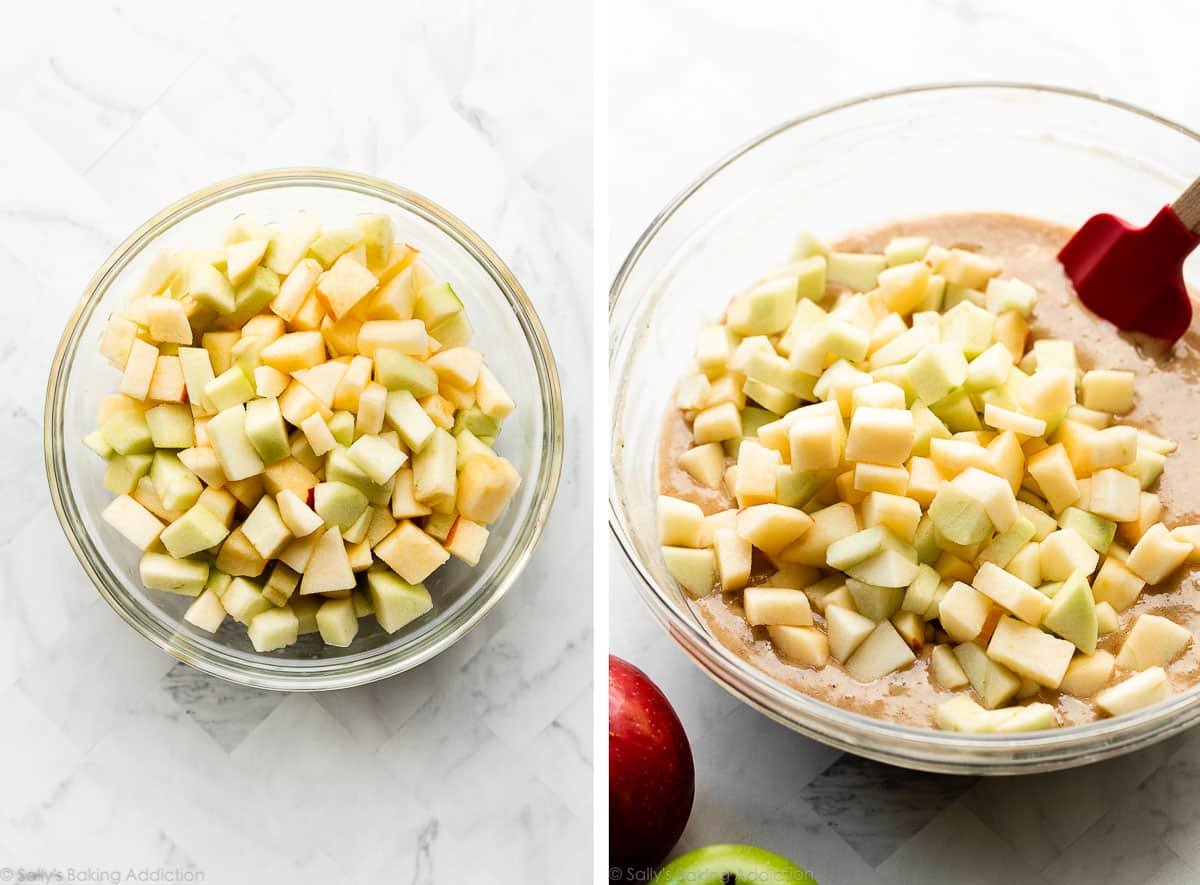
651,778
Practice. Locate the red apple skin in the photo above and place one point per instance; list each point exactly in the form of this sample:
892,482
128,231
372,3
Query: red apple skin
651,776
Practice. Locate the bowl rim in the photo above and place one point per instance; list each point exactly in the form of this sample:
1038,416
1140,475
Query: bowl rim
263,672
926,749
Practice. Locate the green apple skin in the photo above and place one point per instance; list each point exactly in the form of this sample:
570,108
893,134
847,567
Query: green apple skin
730,864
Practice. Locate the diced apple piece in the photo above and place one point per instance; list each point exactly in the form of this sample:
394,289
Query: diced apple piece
1029,652
1108,390
294,351
320,437
959,517
265,529
1049,392
1149,513
853,549
1004,547
411,553
716,424
396,602
733,559
210,288
338,503
281,584
328,567
1188,534
299,518
139,370
323,379
337,622
829,524
963,611
117,340
167,321
920,593
705,464
206,612
137,524
881,653
404,503
898,514
490,395
873,601
816,442
946,669
960,713
857,271
880,436
772,527
1096,530
404,336
1153,641
694,569
227,432
847,631
894,566
435,481
992,682
1157,554
1063,553
176,486
804,645
680,523
1008,419
239,557
1055,477
485,486
1087,674
170,426
936,371
378,460
1072,614
1145,688
776,605
466,541
242,257
273,629
198,529
406,417
219,503
1011,593
160,571
993,492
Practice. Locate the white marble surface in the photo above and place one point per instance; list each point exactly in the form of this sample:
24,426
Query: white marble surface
475,767
689,82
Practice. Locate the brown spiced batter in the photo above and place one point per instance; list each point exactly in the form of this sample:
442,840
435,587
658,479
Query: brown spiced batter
1167,403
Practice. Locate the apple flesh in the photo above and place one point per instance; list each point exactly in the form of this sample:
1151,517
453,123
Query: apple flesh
651,773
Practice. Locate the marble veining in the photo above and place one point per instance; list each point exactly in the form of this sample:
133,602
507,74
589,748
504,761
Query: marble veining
113,754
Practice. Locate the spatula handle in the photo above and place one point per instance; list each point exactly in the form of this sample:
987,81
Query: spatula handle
1187,207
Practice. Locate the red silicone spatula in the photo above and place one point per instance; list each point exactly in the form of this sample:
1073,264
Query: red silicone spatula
1133,277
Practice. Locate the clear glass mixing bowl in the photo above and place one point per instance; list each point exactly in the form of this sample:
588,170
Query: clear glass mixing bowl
507,330
1032,150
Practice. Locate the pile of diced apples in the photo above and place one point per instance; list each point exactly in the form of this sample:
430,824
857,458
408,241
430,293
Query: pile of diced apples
917,482
302,434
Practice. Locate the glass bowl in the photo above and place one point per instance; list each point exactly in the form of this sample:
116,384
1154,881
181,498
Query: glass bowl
1031,150
508,332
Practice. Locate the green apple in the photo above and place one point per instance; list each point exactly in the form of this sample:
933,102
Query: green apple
726,864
